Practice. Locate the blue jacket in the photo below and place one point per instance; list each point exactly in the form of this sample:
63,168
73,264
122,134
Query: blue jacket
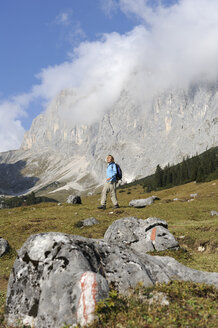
111,172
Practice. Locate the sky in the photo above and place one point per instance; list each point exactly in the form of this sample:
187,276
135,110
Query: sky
94,47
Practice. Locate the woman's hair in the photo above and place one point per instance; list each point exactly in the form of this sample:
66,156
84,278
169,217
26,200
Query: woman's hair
112,158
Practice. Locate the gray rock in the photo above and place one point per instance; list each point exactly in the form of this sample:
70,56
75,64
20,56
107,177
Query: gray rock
55,281
181,272
58,278
138,203
159,298
4,246
89,222
141,235
212,213
193,195
74,199
153,222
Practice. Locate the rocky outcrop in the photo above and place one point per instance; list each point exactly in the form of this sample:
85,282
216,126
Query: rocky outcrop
58,278
139,203
141,235
4,246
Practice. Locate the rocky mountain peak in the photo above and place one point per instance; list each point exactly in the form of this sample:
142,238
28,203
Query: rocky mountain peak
165,128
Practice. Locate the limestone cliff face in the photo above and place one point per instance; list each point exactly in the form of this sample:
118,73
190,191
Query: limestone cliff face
140,135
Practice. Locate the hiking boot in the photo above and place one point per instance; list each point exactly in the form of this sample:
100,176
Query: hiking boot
102,207
116,206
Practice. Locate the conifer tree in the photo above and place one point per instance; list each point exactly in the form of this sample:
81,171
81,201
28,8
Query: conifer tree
158,176
200,174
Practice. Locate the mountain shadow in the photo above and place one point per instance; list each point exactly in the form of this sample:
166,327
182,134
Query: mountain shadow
12,181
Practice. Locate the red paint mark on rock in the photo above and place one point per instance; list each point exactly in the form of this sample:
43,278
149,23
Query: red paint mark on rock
94,289
153,234
82,282
87,301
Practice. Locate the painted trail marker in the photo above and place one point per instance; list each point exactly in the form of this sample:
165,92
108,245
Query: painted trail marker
87,301
153,234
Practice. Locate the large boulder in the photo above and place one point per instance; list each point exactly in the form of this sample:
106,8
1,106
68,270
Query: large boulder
141,235
58,278
139,203
54,282
4,246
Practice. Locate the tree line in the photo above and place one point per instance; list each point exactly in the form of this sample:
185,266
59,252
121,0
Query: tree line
30,199
199,168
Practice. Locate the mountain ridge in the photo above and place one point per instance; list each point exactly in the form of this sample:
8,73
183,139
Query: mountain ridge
169,126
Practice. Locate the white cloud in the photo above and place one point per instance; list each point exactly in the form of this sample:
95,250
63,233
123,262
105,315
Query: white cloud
98,72
71,29
177,48
140,8
64,18
172,47
109,6
76,34
11,130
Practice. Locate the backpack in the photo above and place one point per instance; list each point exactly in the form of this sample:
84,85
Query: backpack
119,172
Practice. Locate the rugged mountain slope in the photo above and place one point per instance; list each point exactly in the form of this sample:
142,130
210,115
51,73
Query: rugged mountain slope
60,153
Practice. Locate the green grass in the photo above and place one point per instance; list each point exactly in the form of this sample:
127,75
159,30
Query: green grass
190,305
190,222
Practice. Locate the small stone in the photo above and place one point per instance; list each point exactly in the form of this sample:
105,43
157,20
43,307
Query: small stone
201,248
74,199
89,222
193,195
181,237
140,203
160,298
212,213
4,246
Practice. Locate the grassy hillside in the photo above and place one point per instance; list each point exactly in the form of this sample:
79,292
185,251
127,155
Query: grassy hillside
190,222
